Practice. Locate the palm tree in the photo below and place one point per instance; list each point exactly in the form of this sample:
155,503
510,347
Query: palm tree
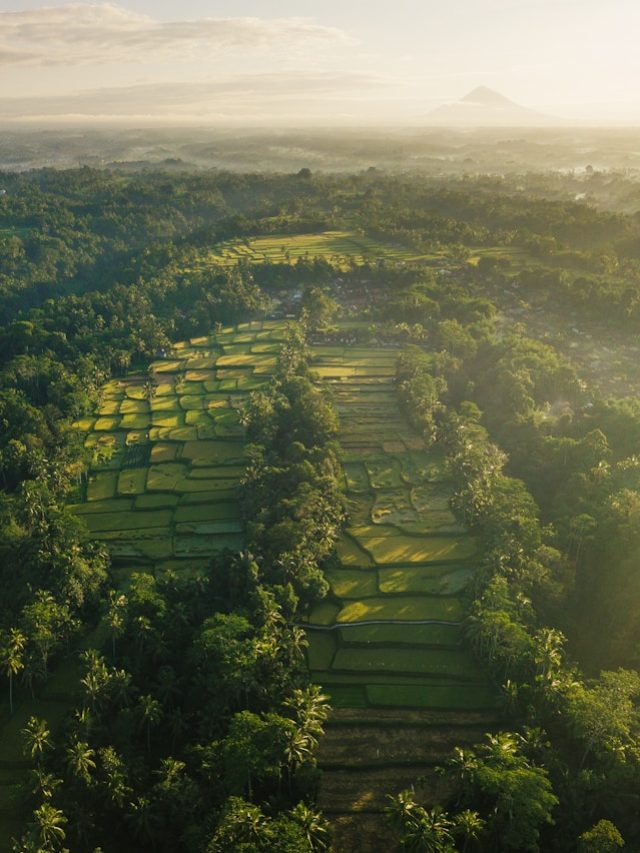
49,823
403,810
144,818
168,687
469,825
421,831
462,764
79,760
116,615
313,825
95,678
431,834
36,734
311,710
548,652
299,748
501,747
150,715
121,687
11,658
178,724
44,784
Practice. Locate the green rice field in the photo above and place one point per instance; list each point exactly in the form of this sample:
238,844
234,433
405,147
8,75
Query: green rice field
389,635
162,493
342,247
169,453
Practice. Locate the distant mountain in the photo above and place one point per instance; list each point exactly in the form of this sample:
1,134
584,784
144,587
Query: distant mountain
484,107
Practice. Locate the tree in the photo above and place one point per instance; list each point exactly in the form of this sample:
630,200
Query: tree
49,825
243,827
150,714
604,837
80,761
12,658
37,738
469,825
514,794
255,749
116,618
318,308
310,709
601,716
421,830
314,827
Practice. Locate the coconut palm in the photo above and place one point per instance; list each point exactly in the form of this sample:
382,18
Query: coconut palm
431,834
116,618
37,735
403,810
469,825
49,826
150,713
313,825
12,658
79,760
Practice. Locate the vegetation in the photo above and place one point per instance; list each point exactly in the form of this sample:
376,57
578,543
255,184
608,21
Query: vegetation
417,499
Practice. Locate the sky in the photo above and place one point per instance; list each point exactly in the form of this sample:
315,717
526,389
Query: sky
336,62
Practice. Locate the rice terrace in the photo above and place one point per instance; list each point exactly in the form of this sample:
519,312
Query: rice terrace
386,644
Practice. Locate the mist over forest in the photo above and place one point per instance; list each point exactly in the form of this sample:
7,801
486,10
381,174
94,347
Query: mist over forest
432,151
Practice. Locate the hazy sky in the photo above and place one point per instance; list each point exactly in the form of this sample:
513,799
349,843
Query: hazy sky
333,62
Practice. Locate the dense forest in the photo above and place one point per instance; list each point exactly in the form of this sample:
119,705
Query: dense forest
195,723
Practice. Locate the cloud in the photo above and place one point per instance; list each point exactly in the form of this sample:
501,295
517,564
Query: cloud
81,34
233,98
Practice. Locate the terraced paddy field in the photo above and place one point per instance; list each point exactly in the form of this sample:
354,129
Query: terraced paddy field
389,635
339,246
169,451
387,645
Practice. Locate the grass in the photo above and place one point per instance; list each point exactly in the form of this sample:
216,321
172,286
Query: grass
452,663
321,650
384,473
352,583
132,481
391,550
402,608
102,486
97,522
226,511
156,501
453,697
346,696
324,613
438,635
423,580
351,554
